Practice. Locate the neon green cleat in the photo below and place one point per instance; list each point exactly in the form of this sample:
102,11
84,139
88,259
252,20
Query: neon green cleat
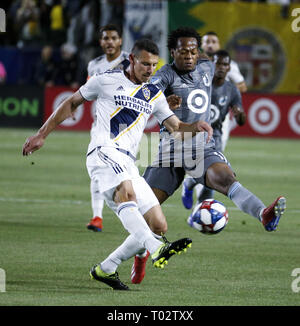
111,280
168,249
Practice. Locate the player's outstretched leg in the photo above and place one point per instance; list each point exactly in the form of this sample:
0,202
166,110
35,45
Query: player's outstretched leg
272,214
111,280
138,269
161,256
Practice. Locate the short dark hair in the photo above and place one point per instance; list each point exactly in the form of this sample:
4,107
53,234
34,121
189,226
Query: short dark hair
110,27
182,32
145,44
211,33
222,53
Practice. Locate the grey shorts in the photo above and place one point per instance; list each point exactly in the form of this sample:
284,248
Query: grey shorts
218,143
169,179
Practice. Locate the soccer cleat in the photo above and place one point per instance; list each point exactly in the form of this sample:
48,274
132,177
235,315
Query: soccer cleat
95,224
138,269
187,196
271,215
111,280
168,249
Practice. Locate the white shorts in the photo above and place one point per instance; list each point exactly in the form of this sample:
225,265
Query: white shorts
110,167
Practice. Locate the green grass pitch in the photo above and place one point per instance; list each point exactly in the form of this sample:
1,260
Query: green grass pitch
47,252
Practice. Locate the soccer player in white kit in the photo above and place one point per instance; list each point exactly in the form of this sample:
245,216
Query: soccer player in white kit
111,42
124,103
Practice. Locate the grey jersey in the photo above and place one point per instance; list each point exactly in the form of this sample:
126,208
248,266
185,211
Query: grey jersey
193,87
223,97
195,90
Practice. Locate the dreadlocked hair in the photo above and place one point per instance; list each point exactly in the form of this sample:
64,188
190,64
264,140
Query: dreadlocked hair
182,32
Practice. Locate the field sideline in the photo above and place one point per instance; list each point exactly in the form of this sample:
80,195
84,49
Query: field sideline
46,250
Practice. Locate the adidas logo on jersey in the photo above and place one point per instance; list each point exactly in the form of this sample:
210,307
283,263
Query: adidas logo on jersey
120,88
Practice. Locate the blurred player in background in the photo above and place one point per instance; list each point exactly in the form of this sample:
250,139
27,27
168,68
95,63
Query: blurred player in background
210,45
111,154
110,40
225,96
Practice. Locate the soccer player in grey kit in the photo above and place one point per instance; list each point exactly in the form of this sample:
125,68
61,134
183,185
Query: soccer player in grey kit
190,78
225,95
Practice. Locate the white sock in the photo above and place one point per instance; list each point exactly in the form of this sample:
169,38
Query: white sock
125,251
143,252
96,199
134,222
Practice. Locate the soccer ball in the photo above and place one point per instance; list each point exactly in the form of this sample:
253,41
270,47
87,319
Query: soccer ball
209,217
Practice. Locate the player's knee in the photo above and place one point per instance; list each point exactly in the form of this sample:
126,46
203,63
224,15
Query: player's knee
156,220
124,193
220,177
160,227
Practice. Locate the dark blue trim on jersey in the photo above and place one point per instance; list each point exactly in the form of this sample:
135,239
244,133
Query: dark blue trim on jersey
153,91
119,149
126,117
122,120
126,153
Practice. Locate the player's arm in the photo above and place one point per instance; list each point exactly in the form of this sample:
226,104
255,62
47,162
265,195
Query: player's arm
64,111
236,77
239,115
237,107
174,125
242,87
174,101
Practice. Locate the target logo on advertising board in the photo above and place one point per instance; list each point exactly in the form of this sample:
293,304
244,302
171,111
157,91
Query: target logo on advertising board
264,116
268,115
294,117
271,116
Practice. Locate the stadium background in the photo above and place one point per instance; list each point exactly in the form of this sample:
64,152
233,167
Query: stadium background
45,248
261,37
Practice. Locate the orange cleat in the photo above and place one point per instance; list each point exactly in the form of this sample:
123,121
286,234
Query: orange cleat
95,224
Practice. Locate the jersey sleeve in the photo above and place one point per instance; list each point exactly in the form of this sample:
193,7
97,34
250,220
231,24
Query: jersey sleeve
163,77
161,108
91,89
236,98
89,69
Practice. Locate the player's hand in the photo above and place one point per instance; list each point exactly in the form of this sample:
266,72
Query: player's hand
174,101
239,115
32,144
204,126
73,115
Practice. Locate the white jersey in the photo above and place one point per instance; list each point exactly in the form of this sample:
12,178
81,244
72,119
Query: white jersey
122,109
101,64
234,75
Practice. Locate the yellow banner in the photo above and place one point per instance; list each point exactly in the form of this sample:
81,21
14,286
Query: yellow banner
262,38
